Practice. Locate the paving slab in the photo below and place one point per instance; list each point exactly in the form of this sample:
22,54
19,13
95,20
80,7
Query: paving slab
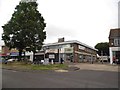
102,67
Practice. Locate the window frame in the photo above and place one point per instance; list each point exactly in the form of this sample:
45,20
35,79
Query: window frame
117,42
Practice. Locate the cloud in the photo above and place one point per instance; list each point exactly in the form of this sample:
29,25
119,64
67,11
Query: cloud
53,33
88,21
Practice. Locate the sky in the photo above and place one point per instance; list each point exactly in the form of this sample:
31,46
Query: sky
88,21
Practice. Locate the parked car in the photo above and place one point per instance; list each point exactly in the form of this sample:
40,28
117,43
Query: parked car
11,60
103,58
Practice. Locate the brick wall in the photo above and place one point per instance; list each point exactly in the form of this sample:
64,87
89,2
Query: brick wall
75,55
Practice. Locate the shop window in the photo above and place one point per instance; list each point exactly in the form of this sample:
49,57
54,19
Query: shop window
71,45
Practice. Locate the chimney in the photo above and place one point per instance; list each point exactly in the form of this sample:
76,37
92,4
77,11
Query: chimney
61,39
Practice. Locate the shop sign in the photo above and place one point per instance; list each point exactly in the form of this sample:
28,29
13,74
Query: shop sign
14,54
8,54
2,54
52,56
68,50
51,51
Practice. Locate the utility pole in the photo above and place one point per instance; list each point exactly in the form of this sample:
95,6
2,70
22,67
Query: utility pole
44,49
59,54
102,56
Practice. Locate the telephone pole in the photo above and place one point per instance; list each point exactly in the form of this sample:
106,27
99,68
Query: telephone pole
102,56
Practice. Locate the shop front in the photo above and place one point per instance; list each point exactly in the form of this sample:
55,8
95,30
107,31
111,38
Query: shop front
114,54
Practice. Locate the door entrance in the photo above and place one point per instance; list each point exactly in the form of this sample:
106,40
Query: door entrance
118,56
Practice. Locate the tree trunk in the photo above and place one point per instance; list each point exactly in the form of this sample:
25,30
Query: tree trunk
24,56
20,55
33,56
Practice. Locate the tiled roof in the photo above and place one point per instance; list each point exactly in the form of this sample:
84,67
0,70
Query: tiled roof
114,33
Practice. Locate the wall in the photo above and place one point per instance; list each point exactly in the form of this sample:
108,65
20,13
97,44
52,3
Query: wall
75,55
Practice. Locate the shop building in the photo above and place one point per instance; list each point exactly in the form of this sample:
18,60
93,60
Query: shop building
114,45
4,51
14,53
70,51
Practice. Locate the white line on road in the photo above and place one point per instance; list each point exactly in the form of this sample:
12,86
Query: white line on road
14,71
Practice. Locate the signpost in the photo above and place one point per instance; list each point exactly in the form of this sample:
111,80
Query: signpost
52,56
102,56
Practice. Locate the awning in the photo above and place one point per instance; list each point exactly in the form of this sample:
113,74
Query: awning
3,54
14,54
39,53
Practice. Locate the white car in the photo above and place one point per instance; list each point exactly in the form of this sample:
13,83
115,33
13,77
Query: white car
11,60
104,58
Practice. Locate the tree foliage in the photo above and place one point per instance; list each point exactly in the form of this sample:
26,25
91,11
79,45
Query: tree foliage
25,28
103,48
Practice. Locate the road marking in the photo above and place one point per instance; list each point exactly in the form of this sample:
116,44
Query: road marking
14,71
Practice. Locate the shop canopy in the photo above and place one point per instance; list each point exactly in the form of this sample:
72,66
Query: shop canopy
14,54
3,54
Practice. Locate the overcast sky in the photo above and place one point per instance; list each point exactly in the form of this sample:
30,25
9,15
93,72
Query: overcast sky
88,21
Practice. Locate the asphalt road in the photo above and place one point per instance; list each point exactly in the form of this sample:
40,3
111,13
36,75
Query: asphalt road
51,79
0,78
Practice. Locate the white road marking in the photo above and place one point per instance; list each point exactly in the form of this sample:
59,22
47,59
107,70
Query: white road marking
14,71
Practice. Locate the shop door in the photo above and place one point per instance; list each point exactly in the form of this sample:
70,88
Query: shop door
118,55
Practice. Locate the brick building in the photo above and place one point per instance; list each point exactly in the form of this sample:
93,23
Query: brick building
4,51
114,44
71,51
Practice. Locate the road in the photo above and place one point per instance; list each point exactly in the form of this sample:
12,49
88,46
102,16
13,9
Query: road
0,78
51,79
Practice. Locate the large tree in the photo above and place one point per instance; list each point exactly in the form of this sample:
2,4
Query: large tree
103,48
25,28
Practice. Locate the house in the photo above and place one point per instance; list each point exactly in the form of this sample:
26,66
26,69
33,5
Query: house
114,45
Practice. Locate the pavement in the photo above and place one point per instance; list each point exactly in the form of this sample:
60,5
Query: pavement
96,66
85,66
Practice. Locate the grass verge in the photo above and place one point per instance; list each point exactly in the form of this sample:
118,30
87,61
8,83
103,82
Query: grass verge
23,66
